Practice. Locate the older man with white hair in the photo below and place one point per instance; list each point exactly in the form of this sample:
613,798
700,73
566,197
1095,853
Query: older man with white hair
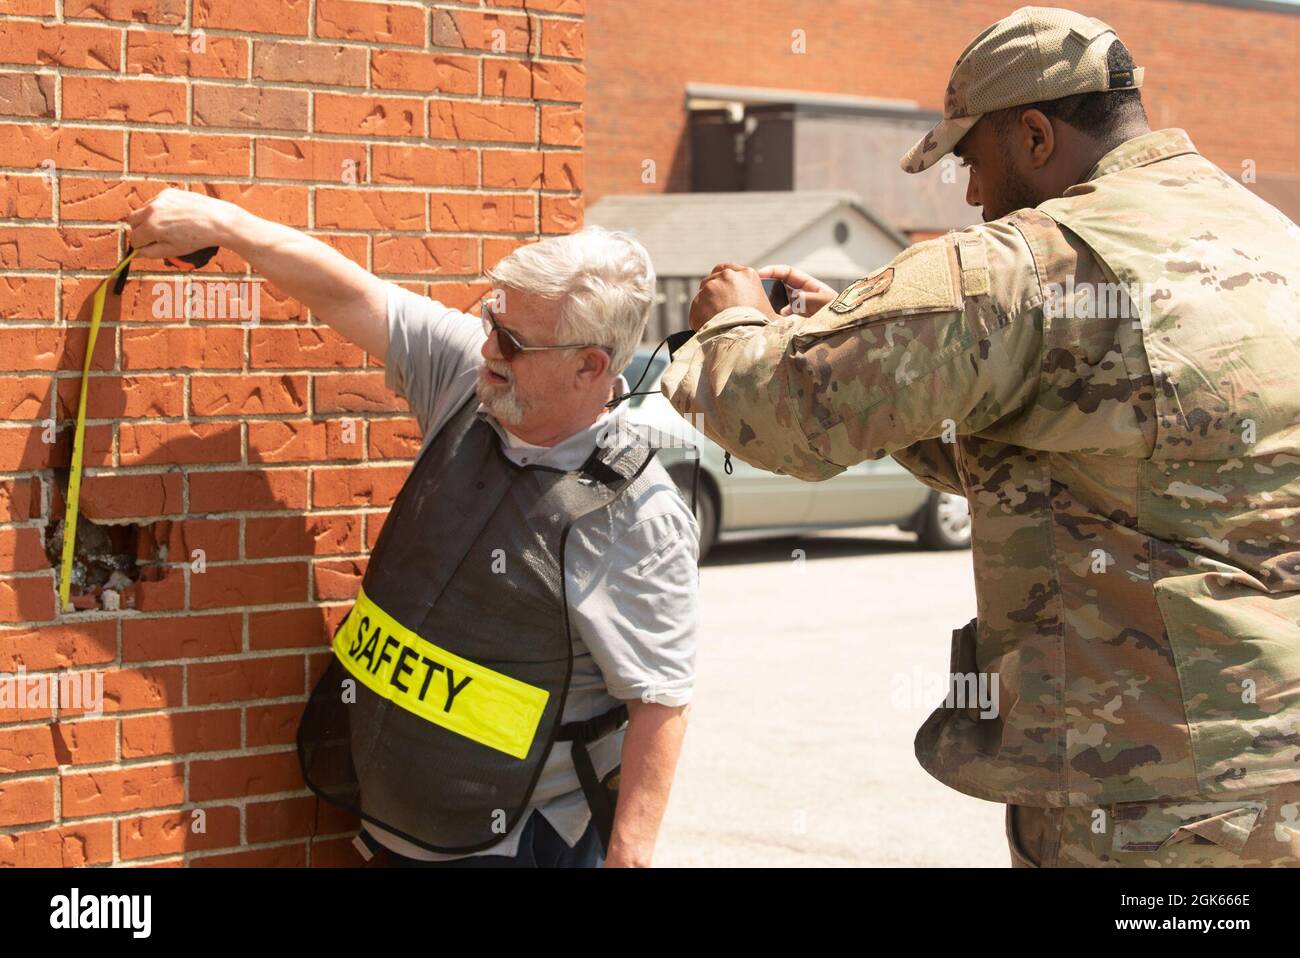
510,686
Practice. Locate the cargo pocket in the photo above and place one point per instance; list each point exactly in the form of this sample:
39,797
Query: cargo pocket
1204,830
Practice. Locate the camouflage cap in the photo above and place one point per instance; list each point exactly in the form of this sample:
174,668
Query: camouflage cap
1033,54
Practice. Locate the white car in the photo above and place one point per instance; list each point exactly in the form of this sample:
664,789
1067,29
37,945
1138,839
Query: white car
756,502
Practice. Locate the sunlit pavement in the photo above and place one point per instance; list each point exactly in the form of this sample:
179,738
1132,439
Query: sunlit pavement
813,675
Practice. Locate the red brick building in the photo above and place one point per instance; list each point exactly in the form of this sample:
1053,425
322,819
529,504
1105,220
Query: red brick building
1224,71
236,474
243,471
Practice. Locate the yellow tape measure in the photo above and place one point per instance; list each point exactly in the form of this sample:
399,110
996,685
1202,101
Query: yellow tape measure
74,478
195,260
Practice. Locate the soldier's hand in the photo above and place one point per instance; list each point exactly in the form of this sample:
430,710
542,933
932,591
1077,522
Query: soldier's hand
728,285
807,293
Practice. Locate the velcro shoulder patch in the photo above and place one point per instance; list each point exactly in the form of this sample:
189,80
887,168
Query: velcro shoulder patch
922,279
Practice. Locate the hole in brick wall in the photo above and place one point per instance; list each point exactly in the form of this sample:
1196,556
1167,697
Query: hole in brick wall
108,557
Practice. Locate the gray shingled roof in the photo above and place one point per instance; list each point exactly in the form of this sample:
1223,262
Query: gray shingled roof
687,234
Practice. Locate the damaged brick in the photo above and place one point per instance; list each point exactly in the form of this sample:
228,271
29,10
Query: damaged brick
108,558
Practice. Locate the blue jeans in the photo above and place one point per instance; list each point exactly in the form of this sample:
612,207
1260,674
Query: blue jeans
540,846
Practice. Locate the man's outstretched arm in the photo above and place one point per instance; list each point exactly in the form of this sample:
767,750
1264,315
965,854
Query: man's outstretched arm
340,293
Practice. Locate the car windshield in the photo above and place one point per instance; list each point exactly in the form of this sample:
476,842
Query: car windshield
634,370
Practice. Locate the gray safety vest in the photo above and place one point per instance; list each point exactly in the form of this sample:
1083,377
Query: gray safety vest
451,670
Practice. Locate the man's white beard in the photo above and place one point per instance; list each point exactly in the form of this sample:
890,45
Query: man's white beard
503,402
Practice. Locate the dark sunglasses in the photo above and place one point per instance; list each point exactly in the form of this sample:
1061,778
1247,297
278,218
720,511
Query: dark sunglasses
511,347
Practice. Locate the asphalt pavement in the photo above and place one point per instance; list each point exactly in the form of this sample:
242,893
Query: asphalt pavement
818,659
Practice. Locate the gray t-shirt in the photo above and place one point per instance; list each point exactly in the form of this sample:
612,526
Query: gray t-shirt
631,573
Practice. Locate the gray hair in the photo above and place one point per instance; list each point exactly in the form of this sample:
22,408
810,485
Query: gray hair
603,277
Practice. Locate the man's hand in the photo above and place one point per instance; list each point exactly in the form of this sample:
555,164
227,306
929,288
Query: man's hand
807,294
728,285
177,222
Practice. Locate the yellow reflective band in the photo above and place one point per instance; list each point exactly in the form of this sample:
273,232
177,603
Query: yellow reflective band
440,687
74,475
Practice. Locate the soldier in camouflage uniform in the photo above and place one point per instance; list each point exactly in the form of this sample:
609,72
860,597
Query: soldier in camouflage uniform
1107,370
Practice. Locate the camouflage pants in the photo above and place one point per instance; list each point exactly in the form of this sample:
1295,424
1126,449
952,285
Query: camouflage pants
1260,828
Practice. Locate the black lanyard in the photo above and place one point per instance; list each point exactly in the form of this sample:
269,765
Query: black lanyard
674,342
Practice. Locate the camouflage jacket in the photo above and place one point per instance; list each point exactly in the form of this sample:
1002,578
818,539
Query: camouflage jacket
1112,380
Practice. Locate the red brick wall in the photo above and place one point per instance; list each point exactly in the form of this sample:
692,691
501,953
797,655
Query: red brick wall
219,436
1227,75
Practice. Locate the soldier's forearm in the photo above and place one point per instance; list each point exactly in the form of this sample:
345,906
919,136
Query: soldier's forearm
733,378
